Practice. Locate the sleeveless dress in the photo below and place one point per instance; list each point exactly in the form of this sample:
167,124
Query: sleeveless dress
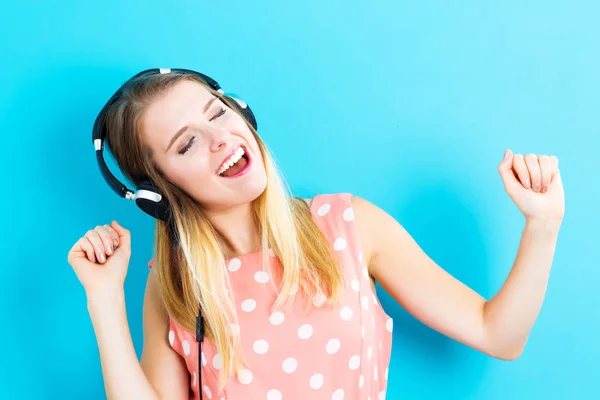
329,353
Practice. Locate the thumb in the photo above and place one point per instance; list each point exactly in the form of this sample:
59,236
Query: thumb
505,168
124,235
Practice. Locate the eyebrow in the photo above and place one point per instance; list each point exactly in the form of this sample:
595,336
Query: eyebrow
185,128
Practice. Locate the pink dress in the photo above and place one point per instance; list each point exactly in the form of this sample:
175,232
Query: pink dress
331,353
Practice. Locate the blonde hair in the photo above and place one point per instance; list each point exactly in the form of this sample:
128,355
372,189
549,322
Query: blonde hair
189,256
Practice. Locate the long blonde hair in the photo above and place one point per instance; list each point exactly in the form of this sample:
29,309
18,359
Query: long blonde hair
189,254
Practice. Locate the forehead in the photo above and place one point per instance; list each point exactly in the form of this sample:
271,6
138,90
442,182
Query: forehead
171,111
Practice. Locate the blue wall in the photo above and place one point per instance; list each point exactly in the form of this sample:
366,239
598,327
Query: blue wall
419,99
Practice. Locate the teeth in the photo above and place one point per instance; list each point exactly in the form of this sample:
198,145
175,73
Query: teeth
232,160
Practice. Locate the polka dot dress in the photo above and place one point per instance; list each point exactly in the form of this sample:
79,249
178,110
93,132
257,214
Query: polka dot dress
330,353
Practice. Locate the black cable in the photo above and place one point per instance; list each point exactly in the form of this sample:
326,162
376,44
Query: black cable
199,339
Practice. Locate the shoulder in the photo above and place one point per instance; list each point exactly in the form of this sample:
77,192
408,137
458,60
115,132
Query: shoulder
376,228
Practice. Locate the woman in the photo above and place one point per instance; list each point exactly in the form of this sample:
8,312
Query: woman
285,286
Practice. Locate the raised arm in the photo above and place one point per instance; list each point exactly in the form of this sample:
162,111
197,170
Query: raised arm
500,326
100,259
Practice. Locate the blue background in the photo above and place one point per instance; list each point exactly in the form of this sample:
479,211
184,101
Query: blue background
410,105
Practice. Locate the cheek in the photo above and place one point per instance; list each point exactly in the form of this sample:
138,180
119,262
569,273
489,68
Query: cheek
192,171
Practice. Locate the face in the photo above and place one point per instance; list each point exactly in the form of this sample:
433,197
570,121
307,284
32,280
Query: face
204,147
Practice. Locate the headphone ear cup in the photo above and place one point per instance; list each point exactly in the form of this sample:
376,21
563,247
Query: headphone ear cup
243,108
149,199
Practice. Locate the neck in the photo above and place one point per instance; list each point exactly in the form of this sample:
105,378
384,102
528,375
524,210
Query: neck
238,229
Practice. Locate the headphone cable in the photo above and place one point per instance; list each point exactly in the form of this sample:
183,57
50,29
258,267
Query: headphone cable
199,339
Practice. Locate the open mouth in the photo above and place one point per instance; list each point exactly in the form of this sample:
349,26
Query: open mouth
236,165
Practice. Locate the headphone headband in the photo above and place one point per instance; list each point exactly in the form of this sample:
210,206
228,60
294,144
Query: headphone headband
147,196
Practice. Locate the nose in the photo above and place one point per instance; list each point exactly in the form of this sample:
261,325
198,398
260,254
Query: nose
219,139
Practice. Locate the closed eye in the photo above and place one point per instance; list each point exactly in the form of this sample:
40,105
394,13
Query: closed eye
190,143
219,114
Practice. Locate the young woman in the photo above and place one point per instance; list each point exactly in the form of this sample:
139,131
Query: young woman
284,286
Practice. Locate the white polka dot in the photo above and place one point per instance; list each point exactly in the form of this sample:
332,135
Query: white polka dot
245,377
355,284
346,313
389,325
382,395
338,395
375,376
305,331
365,273
319,299
261,277
249,305
208,392
218,361
354,362
289,365
235,329
365,302
261,346
277,318
375,299
361,381
194,379
386,373
348,214
234,264
271,252
274,394
204,362
324,209
171,337
369,353
316,381
339,244
333,345
186,347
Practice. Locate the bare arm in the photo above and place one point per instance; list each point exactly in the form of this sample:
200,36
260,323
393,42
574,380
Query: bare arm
161,374
498,327
101,259
123,375
165,369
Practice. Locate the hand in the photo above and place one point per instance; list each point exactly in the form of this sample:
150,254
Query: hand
534,184
101,257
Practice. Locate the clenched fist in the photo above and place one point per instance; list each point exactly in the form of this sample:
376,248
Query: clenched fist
101,257
534,184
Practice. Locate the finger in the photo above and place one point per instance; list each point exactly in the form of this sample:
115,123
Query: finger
535,175
106,239
87,247
521,170
113,234
545,171
504,168
81,249
554,167
124,235
96,242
